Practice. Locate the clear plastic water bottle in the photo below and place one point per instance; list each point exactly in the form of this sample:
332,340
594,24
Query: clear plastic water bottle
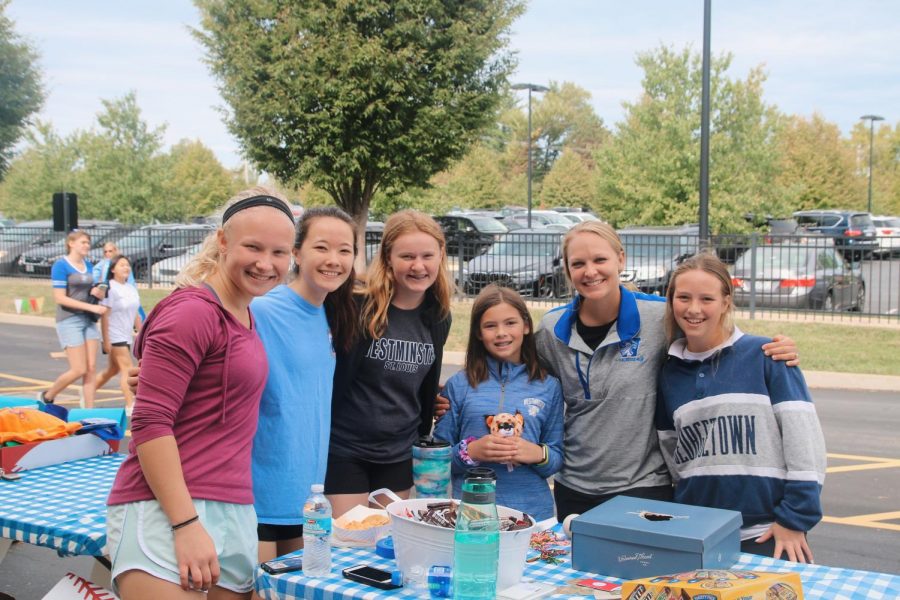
476,542
317,533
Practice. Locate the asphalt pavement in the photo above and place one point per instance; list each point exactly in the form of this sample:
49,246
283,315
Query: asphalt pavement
860,416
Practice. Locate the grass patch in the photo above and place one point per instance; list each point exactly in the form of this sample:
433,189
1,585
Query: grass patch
823,346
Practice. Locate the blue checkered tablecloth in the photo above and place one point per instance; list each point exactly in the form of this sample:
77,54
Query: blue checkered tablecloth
61,506
819,582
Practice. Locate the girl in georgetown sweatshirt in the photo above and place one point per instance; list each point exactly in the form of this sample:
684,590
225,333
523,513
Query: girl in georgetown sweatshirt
737,430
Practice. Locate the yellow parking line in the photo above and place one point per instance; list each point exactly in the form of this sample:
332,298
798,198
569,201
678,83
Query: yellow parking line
22,388
24,379
864,467
861,521
867,463
857,457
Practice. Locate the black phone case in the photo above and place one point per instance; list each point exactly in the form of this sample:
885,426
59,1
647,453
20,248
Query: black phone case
349,574
275,571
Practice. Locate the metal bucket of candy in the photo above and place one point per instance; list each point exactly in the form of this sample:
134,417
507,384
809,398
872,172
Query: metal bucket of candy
431,467
422,530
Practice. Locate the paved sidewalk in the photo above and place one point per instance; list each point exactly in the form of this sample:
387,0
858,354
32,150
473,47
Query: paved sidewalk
815,379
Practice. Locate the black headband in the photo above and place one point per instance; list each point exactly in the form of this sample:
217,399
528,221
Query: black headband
257,201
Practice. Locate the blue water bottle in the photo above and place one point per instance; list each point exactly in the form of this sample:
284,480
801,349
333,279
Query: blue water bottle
476,542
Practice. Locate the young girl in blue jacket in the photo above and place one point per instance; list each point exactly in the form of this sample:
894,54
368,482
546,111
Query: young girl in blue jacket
505,411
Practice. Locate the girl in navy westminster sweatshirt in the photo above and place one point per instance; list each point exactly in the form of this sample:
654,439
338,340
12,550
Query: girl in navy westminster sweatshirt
737,430
505,411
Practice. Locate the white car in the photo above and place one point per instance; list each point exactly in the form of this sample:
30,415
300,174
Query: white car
888,231
580,217
165,271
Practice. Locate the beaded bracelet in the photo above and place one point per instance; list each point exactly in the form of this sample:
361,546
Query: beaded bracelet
464,451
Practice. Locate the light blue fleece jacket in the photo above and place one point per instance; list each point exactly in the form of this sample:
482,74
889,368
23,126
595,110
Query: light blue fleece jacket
508,389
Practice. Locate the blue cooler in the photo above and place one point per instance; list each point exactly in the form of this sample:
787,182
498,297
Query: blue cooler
631,538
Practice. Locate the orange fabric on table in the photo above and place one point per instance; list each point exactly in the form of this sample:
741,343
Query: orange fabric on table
30,425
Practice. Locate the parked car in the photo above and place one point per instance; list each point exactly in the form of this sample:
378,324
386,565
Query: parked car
652,253
853,231
472,232
38,260
165,271
548,219
148,245
580,217
888,230
811,273
527,260
19,238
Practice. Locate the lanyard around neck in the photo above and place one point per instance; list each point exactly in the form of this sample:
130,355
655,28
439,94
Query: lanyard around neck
584,377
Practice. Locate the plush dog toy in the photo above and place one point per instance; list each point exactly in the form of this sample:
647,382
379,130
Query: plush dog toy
505,424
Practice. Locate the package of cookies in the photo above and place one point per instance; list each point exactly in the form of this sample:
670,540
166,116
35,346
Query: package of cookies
716,584
362,525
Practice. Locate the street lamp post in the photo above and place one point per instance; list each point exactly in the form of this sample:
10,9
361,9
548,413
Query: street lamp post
531,87
871,119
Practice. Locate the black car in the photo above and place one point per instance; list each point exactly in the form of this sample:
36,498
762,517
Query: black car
853,231
20,238
469,235
148,245
527,260
38,260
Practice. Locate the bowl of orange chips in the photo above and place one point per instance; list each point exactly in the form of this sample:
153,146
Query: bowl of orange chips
362,525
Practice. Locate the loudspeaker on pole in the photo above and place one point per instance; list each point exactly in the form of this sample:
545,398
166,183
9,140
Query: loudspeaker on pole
65,211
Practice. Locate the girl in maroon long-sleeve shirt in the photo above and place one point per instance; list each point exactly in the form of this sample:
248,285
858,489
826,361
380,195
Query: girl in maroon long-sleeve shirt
181,514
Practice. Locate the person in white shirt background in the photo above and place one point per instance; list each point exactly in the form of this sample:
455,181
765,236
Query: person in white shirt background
119,325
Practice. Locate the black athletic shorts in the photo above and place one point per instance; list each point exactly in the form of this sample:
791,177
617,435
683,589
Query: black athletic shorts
277,533
357,476
569,501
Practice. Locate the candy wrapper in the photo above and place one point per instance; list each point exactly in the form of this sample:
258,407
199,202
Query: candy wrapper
443,514
549,545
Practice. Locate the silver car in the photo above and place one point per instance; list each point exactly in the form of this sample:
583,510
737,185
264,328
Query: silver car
809,274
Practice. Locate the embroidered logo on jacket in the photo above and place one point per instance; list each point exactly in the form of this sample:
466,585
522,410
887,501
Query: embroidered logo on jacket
629,349
533,405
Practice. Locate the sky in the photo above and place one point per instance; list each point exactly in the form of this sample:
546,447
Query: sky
836,57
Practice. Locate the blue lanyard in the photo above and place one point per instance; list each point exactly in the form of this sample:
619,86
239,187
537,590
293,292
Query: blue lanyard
585,379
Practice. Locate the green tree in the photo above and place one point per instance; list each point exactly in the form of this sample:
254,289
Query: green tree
21,93
124,167
649,174
196,183
817,166
49,164
569,183
561,119
358,95
885,167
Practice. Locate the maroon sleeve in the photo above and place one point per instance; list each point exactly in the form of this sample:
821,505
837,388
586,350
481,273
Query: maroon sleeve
173,348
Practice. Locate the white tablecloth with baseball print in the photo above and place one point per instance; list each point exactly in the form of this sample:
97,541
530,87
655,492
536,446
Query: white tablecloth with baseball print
819,582
61,506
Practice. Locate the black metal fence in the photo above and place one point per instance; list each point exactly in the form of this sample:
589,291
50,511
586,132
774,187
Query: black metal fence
156,253
809,274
